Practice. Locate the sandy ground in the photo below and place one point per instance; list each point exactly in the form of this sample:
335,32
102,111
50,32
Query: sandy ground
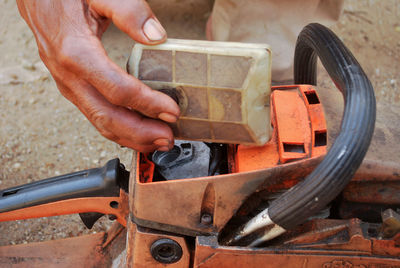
43,135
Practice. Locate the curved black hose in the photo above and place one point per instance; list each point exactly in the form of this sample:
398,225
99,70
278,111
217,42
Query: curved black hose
350,147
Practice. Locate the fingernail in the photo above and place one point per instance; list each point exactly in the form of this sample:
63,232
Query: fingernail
170,118
153,30
163,149
161,142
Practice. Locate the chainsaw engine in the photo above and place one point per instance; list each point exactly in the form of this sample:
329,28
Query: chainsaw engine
290,199
254,178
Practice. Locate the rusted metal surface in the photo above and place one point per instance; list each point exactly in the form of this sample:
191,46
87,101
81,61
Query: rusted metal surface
320,243
335,235
177,206
286,258
96,250
375,188
387,247
374,183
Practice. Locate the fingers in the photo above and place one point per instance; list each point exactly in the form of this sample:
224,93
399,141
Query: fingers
134,17
67,33
87,57
125,127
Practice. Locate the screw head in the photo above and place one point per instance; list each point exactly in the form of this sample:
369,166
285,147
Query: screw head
206,218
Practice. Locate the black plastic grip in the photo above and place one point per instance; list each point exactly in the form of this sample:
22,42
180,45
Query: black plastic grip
346,154
97,182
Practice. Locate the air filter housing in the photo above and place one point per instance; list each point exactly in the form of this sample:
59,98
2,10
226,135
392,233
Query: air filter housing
222,88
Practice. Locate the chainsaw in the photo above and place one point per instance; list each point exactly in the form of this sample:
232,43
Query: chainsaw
250,181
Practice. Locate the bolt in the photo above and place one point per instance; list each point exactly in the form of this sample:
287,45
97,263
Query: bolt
206,218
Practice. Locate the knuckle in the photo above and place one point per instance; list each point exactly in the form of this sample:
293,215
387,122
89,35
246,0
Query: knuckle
64,59
68,54
137,99
123,93
101,119
117,93
103,122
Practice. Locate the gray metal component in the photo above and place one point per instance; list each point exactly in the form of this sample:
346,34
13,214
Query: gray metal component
188,159
261,221
206,219
178,155
261,228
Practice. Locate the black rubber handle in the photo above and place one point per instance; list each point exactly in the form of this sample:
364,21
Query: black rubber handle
346,154
97,182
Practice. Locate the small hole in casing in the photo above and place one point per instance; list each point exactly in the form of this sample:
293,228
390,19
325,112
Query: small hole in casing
114,204
312,97
293,148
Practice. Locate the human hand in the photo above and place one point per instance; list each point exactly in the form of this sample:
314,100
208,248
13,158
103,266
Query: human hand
122,108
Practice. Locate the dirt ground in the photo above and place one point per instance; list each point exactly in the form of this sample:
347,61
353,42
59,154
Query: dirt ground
43,135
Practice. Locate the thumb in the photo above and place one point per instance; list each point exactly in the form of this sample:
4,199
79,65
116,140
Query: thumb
134,17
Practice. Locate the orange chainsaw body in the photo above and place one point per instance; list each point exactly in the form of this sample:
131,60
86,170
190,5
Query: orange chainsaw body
174,209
